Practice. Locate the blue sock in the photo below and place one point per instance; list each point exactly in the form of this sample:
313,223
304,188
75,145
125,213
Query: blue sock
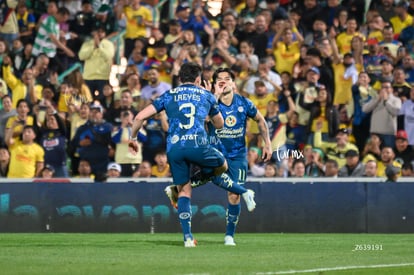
184,215
225,182
232,218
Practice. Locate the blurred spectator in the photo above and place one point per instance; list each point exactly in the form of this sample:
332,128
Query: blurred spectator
109,100
389,44
362,92
295,133
195,20
346,72
22,58
387,158
385,8
24,88
343,39
261,99
229,22
4,161
254,161
335,150
251,10
138,57
156,128
22,118
138,20
114,170
318,31
315,167
154,88
331,168
246,59
403,152
52,138
41,70
174,33
161,169
400,85
407,111
120,138
311,10
5,113
26,22
402,18
260,36
161,60
9,28
298,167
372,60
385,108
271,79
26,156
321,112
131,82
106,18
370,169
76,118
98,54
187,37
372,148
47,172
80,92
407,170
270,170
92,141
277,125
144,170
84,170
408,66
48,41
113,115
353,167
83,22
392,173
221,53
285,49
323,64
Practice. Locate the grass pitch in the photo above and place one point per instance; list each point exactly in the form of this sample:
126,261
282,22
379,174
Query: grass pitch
56,253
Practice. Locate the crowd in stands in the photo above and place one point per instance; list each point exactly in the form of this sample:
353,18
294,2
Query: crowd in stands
334,80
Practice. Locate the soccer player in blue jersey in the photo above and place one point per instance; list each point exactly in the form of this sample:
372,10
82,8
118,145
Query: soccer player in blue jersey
187,107
230,140
236,110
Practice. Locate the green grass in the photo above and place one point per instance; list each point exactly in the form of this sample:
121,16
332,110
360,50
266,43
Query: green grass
55,253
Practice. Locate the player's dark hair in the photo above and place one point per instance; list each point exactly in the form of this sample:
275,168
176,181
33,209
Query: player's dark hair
222,70
189,72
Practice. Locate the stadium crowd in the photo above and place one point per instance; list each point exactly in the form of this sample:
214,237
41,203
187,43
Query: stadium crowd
333,79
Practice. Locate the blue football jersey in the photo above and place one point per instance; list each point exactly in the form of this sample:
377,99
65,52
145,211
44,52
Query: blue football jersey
187,107
231,139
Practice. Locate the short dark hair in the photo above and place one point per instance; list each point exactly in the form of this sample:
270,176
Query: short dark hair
222,70
333,162
189,72
63,11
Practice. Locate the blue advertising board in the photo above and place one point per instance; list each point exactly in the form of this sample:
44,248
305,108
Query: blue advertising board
342,207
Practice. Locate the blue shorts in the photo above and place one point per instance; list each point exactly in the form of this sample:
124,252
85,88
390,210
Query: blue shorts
180,160
237,170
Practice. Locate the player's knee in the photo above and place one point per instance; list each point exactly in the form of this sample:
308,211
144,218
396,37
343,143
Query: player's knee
220,170
233,198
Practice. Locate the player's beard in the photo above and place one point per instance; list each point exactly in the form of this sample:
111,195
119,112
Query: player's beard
227,90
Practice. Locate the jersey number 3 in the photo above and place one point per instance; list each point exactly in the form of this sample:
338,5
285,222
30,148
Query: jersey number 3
189,114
